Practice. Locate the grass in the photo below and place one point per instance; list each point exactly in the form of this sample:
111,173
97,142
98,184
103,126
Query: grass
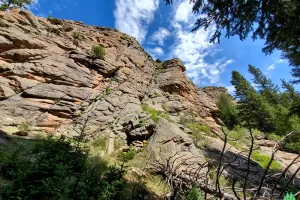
263,161
25,126
237,134
98,51
239,137
141,123
100,143
104,94
156,115
197,128
157,184
194,126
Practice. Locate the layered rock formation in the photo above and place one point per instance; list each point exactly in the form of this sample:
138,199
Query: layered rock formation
50,82
47,81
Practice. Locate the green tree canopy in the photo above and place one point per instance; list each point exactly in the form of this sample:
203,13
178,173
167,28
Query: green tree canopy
266,88
277,22
8,4
229,113
253,109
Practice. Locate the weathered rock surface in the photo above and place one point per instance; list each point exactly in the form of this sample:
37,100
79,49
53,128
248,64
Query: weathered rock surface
51,81
47,81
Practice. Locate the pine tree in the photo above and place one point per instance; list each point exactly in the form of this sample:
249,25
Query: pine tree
294,96
266,88
253,109
8,4
229,113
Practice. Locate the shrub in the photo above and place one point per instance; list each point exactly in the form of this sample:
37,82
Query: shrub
76,35
237,133
194,194
126,156
229,113
2,23
273,136
98,51
57,169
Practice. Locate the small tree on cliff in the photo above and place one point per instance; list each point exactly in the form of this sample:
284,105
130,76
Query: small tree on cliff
9,4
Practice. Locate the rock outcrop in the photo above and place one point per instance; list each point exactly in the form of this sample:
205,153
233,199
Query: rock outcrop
51,83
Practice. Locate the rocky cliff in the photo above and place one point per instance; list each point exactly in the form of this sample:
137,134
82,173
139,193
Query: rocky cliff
52,84
49,82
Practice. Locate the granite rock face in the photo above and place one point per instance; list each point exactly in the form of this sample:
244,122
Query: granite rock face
51,82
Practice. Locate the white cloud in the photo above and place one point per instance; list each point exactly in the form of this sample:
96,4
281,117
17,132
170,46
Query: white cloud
280,60
183,11
34,5
155,52
271,67
160,35
194,48
134,16
230,89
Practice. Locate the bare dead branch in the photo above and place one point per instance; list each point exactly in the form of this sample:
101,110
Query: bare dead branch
283,173
248,162
288,182
220,163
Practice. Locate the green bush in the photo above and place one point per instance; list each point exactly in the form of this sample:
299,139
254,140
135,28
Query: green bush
98,51
57,169
193,194
273,136
229,113
76,35
155,114
263,161
2,23
126,156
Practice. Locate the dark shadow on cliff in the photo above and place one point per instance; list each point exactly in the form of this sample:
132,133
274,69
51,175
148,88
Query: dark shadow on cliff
236,168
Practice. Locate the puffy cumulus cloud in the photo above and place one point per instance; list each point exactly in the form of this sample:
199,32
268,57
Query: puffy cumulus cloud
160,35
194,48
156,52
134,16
183,12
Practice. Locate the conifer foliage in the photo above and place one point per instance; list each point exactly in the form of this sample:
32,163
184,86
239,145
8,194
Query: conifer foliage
58,169
263,106
277,22
8,4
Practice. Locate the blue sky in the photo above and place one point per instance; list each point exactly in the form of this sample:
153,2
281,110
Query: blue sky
164,32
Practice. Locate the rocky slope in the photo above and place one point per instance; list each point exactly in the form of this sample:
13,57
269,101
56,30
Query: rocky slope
51,86
48,82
